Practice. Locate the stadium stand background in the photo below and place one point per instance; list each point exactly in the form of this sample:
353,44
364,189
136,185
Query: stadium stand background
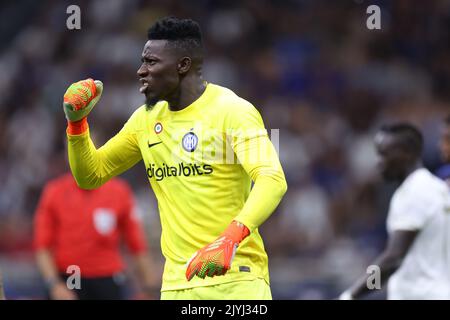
313,70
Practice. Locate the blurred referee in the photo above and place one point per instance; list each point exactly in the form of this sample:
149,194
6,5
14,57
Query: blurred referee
82,228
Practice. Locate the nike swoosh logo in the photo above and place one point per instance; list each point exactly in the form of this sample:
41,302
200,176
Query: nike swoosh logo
153,144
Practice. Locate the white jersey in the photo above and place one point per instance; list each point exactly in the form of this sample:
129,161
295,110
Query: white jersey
422,203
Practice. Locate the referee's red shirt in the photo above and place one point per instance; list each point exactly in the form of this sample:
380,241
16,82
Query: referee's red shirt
84,227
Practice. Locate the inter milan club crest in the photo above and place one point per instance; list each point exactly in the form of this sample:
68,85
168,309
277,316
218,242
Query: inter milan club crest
190,141
158,128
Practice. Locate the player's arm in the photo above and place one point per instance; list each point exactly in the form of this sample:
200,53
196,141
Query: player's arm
148,275
259,159
92,167
56,286
44,232
133,233
388,261
257,155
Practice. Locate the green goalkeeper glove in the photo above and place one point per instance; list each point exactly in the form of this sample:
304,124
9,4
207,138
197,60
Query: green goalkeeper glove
215,259
80,98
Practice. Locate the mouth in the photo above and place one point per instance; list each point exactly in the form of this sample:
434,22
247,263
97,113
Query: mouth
144,86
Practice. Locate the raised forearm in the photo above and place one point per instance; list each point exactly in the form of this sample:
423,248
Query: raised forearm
85,161
93,167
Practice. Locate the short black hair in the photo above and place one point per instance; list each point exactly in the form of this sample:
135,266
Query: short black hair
410,138
183,34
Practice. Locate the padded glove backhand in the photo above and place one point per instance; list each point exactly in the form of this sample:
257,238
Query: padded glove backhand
80,98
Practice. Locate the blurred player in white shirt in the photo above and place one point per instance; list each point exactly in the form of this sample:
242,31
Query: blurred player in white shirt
416,260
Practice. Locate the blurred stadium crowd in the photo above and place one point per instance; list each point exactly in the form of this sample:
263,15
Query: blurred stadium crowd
313,70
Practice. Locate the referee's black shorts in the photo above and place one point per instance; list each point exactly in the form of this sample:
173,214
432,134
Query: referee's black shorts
101,288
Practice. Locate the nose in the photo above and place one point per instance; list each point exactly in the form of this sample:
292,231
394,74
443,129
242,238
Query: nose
142,71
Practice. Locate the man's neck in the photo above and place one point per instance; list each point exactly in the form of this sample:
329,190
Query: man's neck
188,93
413,168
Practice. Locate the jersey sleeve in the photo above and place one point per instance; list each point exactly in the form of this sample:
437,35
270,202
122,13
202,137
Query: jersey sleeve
257,155
92,167
44,221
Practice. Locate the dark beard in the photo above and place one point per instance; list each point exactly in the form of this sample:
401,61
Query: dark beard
390,176
150,102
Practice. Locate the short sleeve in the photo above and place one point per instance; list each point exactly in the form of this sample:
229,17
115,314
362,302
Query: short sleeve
44,221
410,210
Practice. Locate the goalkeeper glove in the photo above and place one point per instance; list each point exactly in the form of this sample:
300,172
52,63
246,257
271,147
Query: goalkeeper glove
79,100
215,259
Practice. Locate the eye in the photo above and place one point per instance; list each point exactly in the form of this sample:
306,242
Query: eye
148,62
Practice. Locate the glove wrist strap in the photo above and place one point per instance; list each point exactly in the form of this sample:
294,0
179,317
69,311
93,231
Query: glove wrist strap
77,127
236,231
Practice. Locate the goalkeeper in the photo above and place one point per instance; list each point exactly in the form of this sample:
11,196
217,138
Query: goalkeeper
202,147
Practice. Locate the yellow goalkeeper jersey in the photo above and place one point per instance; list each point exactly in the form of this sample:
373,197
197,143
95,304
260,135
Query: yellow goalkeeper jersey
200,162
